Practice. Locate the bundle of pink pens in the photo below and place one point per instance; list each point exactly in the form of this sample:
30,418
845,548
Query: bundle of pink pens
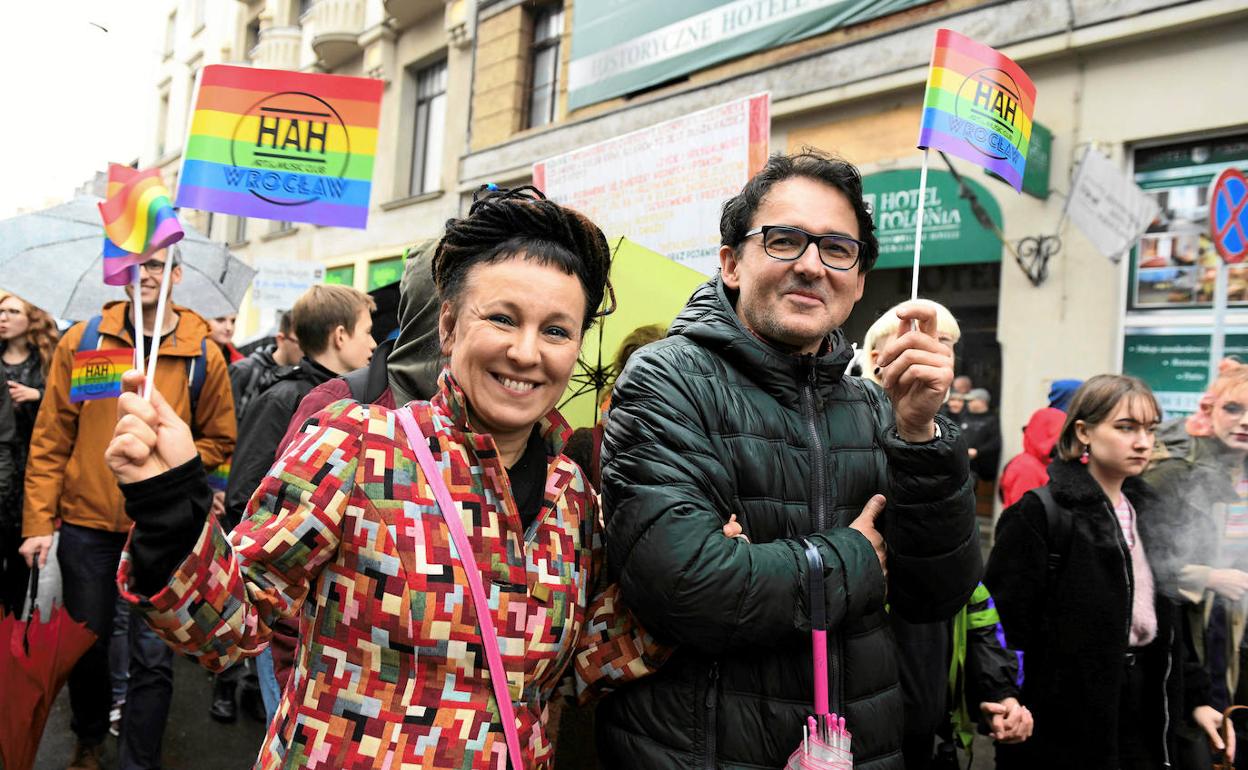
825,745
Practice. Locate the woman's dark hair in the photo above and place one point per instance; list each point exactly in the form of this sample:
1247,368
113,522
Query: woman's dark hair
507,223
739,210
1095,402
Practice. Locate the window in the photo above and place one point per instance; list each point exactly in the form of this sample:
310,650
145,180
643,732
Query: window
341,276
198,8
162,124
299,8
240,230
384,272
190,94
544,72
429,130
251,39
171,28
280,227
208,224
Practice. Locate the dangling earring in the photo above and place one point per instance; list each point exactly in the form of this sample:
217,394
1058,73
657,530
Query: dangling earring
1083,458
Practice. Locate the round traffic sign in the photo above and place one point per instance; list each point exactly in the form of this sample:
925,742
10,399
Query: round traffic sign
1228,215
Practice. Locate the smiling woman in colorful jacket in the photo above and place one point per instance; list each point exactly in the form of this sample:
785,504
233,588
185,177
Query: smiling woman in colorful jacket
344,533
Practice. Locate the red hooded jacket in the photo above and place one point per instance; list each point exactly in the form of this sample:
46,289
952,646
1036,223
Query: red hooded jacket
1030,468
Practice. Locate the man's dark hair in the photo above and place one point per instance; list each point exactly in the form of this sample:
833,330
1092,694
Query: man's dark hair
813,164
286,323
506,223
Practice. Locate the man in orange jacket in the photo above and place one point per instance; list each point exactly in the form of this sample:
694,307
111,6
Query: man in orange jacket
66,480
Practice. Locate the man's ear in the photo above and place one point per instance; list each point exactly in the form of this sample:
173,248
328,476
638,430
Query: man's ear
446,328
176,277
730,267
339,337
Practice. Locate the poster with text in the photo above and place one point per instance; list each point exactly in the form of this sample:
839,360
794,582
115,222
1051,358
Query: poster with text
663,186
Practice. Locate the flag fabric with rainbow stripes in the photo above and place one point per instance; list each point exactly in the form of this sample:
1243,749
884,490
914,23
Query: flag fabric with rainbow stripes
288,146
978,106
219,479
138,219
97,373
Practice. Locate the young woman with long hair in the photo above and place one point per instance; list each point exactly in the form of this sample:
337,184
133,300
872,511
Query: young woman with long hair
27,338
1109,675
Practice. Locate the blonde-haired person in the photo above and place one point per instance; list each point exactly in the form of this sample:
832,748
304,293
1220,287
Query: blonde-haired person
27,339
1109,674
1199,470
885,328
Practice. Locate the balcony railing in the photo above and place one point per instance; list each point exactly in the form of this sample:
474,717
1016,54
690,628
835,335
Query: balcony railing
278,48
407,12
335,26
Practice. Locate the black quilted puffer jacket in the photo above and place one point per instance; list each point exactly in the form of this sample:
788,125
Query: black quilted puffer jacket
710,422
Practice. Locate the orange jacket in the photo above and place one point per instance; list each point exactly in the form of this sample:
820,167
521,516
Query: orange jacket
66,476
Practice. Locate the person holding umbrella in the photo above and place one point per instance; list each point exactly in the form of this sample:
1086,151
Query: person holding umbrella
64,481
27,338
402,659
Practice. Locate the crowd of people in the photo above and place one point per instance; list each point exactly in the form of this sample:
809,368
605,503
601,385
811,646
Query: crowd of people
413,561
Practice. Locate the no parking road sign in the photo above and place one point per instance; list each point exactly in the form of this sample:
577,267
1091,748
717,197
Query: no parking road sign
1228,215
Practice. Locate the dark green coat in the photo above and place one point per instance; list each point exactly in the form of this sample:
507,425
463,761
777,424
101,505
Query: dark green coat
711,422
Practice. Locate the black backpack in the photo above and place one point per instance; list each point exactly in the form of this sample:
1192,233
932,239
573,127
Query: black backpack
1060,523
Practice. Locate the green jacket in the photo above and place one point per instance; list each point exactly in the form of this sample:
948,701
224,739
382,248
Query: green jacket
711,422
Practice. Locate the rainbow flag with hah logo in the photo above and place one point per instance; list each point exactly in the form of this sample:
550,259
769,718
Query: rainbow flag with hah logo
97,374
978,106
289,146
138,219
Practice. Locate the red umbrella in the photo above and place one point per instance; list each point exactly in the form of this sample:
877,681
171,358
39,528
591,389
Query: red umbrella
35,660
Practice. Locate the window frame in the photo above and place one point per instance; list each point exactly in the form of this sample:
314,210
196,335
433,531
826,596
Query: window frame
435,75
548,23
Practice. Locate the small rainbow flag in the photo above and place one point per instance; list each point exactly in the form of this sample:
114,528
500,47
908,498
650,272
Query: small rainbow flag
138,219
978,106
97,374
290,146
219,479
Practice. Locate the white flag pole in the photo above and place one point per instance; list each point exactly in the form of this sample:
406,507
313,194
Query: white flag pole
918,227
137,302
158,327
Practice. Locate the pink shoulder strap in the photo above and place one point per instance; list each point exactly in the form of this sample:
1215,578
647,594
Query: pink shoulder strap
450,514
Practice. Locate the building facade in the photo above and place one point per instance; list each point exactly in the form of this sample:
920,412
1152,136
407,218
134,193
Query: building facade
1139,80
418,48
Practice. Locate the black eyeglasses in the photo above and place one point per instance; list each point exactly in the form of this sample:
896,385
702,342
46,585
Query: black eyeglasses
155,266
787,244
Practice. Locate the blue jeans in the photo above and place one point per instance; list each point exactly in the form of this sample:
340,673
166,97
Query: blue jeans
88,559
269,691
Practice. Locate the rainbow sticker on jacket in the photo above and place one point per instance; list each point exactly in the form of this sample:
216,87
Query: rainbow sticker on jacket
97,374
219,479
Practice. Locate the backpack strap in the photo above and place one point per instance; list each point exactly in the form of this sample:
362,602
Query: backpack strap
1059,524
197,374
357,381
91,335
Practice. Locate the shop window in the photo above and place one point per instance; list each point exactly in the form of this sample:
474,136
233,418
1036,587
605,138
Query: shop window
429,129
544,65
341,276
384,272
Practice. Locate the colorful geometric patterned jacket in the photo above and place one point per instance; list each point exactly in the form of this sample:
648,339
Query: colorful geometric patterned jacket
344,534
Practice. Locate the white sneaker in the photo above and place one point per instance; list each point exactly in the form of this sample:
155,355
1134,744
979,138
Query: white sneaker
114,719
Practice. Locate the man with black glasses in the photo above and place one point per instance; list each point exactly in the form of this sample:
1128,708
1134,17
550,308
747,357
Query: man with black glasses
66,479
745,409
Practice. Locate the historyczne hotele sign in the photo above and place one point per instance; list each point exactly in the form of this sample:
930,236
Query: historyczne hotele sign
620,47
288,146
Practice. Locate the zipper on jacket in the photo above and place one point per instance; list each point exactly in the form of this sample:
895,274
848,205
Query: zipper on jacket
1165,700
712,719
807,393
1126,566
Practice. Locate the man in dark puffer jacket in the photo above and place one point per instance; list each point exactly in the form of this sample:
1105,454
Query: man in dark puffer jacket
745,409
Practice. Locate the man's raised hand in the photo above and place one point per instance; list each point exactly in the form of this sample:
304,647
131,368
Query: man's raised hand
149,438
916,369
